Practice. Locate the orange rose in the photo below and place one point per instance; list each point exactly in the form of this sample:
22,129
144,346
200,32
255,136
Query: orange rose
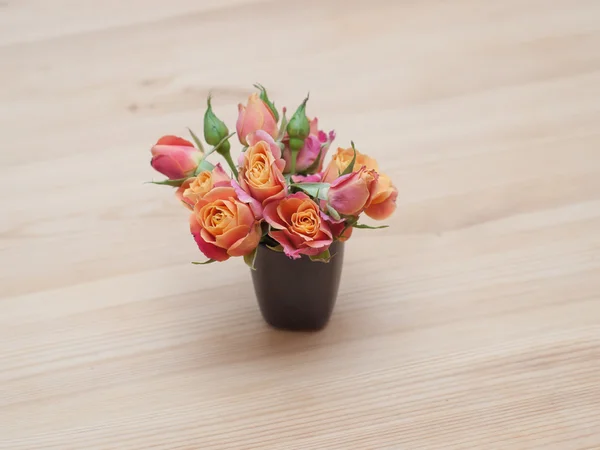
342,158
223,226
193,189
297,224
261,169
383,201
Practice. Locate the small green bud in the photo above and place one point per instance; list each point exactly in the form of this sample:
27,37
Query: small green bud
296,144
265,98
214,128
299,126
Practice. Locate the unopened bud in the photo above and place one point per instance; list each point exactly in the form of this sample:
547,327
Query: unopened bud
214,128
265,98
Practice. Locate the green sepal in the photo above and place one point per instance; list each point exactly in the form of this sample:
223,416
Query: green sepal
174,183
210,261
250,258
368,227
265,98
282,127
264,228
204,165
316,190
197,140
276,248
350,167
324,256
332,212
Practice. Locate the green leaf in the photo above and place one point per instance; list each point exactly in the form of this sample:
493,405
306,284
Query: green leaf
174,183
276,248
250,258
324,256
350,167
315,165
206,165
317,190
368,227
210,261
196,140
332,212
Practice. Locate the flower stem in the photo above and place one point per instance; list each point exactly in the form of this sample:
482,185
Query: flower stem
293,161
227,157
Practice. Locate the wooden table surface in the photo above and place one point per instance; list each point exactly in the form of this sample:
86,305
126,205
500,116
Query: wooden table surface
473,322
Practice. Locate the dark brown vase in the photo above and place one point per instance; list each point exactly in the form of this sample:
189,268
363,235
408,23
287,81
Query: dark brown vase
297,294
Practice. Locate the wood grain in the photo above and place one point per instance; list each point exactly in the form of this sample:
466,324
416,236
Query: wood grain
473,322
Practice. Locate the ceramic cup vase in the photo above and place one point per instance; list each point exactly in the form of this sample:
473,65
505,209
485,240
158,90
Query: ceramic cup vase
297,294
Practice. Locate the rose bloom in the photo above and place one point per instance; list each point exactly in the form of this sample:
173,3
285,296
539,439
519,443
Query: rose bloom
175,157
297,225
351,194
261,168
339,162
223,226
253,117
383,201
193,189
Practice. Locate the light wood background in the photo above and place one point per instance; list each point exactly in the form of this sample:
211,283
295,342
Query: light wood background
472,323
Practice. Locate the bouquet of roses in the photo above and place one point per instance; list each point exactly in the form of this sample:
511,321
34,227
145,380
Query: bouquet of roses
277,194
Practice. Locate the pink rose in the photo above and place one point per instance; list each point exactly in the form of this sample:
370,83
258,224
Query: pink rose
175,157
317,141
261,168
253,117
297,225
223,226
338,228
351,194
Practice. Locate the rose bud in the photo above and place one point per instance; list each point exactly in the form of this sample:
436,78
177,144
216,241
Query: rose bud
298,129
265,98
255,116
215,129
175,157
351,194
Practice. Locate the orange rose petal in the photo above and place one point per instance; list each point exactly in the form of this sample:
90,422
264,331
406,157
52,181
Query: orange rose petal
244,214
219,193
227,239
246,244
383,210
